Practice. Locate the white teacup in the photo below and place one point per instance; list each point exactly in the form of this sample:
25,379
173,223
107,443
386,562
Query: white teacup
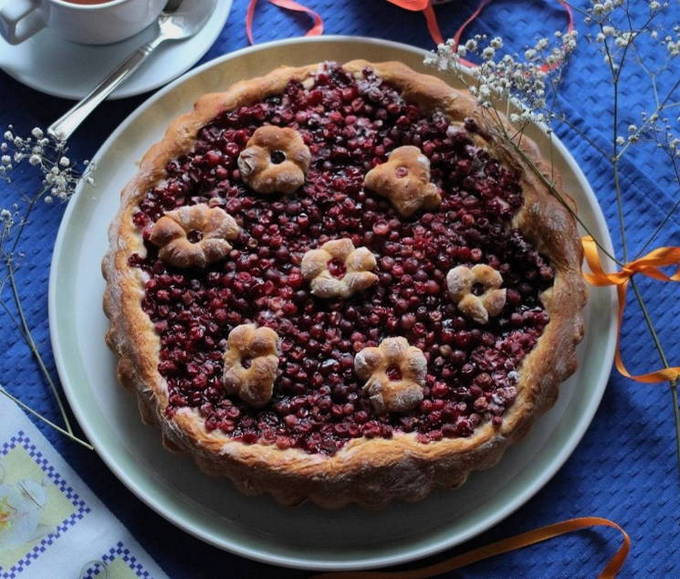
83,21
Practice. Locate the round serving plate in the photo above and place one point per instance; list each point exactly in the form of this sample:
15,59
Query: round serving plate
209,508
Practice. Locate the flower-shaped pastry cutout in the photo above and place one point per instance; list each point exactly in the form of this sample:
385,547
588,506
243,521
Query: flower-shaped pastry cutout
405,180
337,269
250,363
275,160
394,373
194,235
461,282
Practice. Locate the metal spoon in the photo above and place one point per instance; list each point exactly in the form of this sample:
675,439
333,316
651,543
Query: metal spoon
173,24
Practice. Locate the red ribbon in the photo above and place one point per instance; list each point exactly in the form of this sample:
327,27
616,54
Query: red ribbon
315,30
425,6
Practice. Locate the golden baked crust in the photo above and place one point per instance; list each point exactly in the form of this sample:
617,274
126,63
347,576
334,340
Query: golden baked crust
370,472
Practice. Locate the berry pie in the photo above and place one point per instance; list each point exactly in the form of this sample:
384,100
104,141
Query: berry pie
333,284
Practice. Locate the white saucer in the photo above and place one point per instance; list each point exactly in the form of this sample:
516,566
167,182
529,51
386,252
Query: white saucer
60,68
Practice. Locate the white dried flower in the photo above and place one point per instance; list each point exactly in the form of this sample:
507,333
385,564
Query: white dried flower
34,160
37,133
488,53
623,39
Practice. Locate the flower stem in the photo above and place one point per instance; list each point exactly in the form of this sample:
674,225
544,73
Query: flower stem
664,360
616,156
670,213
45,420
26,331
676,415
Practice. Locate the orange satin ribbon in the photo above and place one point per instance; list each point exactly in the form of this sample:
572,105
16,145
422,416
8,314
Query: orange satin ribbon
647,265
504,546
315,30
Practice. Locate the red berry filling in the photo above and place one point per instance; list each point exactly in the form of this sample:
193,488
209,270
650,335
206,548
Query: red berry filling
349,125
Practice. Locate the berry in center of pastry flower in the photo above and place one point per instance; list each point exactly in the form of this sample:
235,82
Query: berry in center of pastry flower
275,160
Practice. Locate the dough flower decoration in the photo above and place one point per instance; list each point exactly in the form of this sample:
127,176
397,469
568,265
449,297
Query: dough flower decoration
394,373
337,269
251,362
275,160
194,235
462,282
405,180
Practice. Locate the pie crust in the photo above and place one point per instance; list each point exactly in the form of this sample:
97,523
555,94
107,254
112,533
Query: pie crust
370,472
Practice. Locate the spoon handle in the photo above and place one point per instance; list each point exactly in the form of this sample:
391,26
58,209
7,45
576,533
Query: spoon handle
64,127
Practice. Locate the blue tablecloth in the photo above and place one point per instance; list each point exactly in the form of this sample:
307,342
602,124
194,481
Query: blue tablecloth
624,469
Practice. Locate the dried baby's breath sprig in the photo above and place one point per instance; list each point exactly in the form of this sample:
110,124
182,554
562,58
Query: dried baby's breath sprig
47,154
59,178
526,87
520,84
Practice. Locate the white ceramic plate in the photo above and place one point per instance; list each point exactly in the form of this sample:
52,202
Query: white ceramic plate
210,509
50,64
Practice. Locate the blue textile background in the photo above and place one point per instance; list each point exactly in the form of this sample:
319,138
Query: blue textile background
624,469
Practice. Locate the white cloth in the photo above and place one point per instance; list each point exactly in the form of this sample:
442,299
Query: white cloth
51,524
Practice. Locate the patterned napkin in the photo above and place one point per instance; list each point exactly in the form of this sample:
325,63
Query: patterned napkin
51,524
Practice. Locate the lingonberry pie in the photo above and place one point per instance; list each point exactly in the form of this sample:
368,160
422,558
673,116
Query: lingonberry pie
333,284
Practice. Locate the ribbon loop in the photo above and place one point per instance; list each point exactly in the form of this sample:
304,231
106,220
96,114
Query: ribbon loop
315,30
